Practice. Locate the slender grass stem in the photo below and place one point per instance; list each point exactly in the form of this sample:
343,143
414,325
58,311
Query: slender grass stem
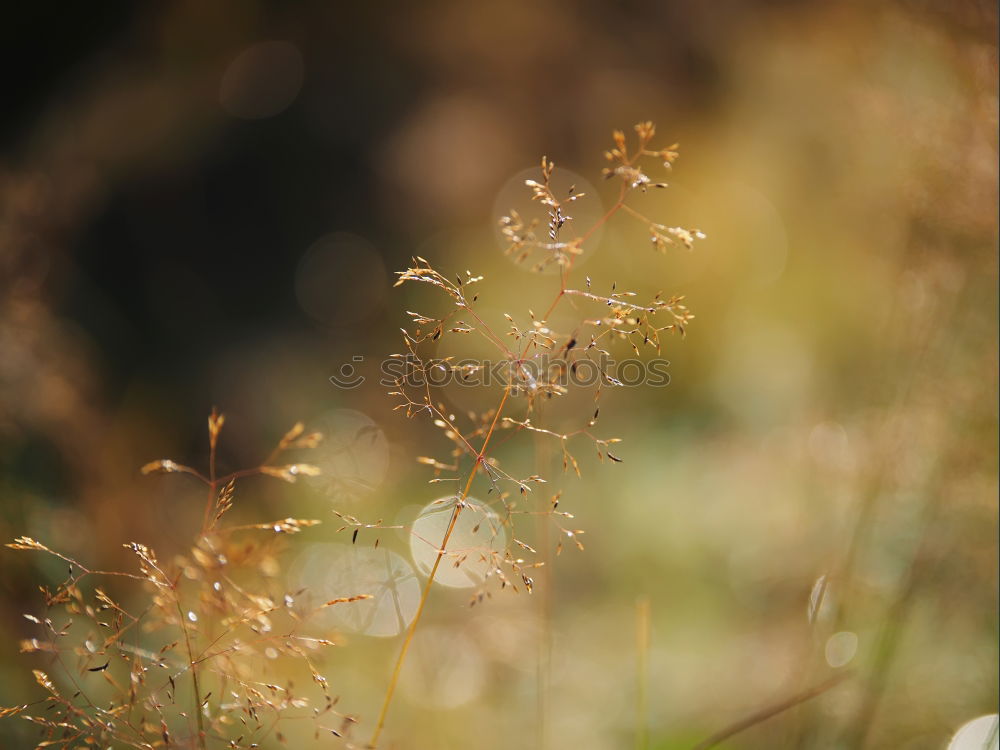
544,665
194,674
410,631
642,673
771,711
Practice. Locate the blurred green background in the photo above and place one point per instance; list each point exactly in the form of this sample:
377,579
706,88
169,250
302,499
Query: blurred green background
203,204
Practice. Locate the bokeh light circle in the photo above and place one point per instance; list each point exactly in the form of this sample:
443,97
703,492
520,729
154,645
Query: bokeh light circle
353,456
448,670
841,648
982,733
262,81
478,538
329,571
341,279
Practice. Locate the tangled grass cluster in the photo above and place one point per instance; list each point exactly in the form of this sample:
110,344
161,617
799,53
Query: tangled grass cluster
187,652
192,652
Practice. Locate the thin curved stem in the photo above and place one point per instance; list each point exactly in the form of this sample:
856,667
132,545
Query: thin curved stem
770,711
194,675
425,594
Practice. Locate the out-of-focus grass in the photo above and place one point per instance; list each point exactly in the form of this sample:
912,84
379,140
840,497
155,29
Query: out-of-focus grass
833,411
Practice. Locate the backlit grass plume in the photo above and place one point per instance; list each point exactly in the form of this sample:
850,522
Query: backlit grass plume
184,653
608,316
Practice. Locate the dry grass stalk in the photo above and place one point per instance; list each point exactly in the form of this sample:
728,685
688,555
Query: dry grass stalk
642,628
768,712
616,317
185,653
